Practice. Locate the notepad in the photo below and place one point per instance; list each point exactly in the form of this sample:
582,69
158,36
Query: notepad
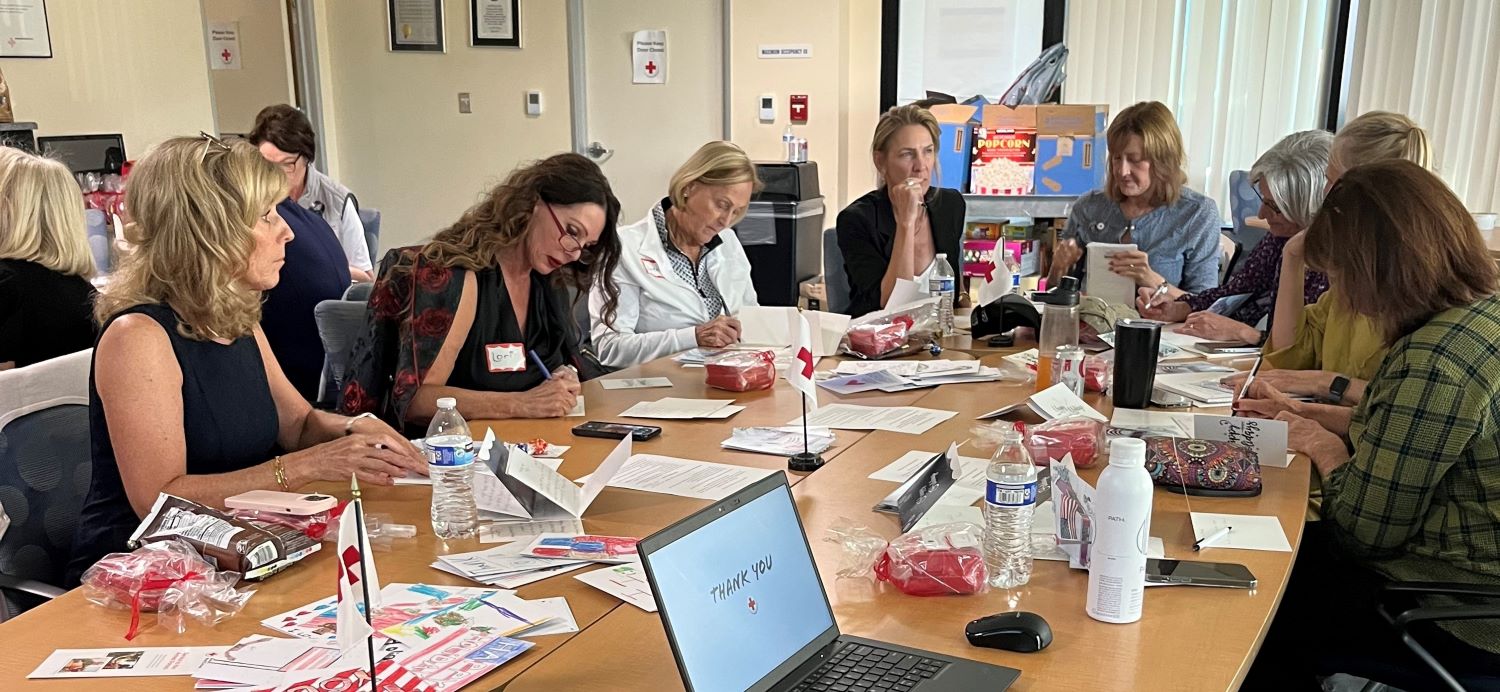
1248,532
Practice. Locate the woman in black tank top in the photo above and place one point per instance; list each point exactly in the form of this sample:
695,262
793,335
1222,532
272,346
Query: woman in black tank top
185,396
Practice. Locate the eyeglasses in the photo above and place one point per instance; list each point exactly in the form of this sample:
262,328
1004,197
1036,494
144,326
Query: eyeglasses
1255,186
211,141
290,166
569,237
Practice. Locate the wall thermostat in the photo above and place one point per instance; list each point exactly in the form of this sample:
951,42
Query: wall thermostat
768,108
533,103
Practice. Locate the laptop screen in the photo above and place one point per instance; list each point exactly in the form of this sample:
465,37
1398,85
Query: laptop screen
740,594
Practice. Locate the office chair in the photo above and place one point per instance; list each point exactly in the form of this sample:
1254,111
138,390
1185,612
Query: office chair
45,468
340,323
835,281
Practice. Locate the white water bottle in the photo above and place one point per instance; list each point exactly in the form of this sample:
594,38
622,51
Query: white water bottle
940,285
450,464
1122,520
1009,501
789,144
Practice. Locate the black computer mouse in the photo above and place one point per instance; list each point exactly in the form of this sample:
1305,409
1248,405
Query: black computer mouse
1015,631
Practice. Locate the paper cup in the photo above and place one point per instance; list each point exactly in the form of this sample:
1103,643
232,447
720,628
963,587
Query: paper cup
1486,221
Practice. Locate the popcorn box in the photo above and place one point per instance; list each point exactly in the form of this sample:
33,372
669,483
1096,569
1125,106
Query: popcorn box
1071,156
1003,156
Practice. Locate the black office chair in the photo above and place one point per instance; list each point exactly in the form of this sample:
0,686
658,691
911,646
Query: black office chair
370,218
358,291
835,281
1396,608
340,323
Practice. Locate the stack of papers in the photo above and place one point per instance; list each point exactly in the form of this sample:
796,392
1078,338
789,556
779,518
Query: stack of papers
1193,344
783,441
626,582
1203,388
703,480
635,383
1164,351
912,420
909,368
887,380
1051,403
507,566
675,408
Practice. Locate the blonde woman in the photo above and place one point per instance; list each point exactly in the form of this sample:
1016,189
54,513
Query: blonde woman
1324,350
186,396
898,229
684,273
1145,202
46,300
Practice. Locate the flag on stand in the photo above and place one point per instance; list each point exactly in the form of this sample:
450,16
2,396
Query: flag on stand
357,577
799,373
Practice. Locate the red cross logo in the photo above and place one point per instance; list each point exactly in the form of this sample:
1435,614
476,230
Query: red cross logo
753,608
651,68
226,55
805,356
989,273
350,558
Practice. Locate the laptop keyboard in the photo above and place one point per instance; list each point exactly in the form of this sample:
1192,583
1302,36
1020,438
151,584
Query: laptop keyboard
858,667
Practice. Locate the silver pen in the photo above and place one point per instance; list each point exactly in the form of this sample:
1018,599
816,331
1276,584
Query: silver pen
1159,292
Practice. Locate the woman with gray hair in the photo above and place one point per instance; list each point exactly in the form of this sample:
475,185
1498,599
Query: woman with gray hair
1288,178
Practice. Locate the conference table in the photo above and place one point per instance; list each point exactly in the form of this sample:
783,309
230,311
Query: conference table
1189,638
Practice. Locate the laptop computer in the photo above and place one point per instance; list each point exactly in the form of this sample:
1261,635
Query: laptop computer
744,609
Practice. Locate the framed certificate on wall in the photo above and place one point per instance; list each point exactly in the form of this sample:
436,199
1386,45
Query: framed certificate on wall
23,29
495,23
415,25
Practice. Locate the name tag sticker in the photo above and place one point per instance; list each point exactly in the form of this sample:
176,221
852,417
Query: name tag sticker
651,268
505,357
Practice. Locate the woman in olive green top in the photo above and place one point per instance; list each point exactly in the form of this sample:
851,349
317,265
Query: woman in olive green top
1413,494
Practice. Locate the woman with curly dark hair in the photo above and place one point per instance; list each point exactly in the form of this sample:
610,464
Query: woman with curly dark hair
459,316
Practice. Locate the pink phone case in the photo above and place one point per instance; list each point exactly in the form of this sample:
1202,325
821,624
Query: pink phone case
297,504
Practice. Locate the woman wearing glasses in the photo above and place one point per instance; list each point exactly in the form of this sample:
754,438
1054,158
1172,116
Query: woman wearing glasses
186,396
685,273
1289,180
286,138
460,316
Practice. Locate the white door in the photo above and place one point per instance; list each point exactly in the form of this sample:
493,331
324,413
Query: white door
648,130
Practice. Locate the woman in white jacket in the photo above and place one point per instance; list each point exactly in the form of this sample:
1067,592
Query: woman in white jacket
682,273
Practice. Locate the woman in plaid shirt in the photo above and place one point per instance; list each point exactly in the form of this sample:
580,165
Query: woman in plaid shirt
1413,493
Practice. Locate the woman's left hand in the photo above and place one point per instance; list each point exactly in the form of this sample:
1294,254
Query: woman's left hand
1136,266
1215,327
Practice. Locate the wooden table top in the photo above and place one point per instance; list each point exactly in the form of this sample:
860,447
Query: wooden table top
71,622
1189,638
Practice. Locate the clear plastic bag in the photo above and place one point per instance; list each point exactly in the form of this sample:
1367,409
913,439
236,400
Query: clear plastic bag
940,560
314,526
1081,437
892,333
741,371
168,578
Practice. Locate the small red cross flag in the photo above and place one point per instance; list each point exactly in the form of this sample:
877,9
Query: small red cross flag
799,373
357,577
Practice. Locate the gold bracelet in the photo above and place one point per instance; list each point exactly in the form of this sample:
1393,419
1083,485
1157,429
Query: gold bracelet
349,424
280,469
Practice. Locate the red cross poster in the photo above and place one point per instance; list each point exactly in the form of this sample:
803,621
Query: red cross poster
649,53
224,45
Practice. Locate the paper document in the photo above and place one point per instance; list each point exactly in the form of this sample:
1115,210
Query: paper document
854,384
780,441
1153,422
1202,387
1104,284
626,582
124,662
971,470
703,480
1051,403
505,532
945,512
764,325
1267,437
909,368
270,661
635,383
906,292
912,420
1164,350
565,499
676,408
1247,532
827,330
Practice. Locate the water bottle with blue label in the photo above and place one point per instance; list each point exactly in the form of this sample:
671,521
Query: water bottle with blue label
940,284
1009,500
450,464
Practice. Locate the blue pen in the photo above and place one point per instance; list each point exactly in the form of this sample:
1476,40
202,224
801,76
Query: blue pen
538,360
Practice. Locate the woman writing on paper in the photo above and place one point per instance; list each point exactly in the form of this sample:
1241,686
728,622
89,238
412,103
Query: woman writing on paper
1325,350
684,272
897,230
457,317
1145,203
1410,494
186,396
1289,178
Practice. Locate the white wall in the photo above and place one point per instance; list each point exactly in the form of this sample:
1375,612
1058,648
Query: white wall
393,118
134,67
265,74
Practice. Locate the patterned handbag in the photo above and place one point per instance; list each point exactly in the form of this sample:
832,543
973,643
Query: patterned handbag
1203,467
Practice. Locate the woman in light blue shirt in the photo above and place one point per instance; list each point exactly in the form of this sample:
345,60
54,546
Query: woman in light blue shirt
1144,202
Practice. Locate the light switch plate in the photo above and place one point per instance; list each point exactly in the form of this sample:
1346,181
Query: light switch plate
463,102
768,108
533,103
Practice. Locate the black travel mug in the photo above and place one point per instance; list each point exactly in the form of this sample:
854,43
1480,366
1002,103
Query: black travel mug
1136,344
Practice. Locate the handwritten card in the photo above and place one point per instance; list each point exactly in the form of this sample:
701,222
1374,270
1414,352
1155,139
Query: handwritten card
1058,401
635,383
1267,437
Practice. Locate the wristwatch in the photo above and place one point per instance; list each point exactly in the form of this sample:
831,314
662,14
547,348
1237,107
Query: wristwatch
1336,389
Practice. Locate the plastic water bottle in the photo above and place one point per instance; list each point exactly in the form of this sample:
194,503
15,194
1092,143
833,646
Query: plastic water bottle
450,464
1009,500
940,285
789,144
1122,515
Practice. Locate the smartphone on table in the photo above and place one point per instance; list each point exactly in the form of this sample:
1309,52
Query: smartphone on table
1194,573
616,431
1228,347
